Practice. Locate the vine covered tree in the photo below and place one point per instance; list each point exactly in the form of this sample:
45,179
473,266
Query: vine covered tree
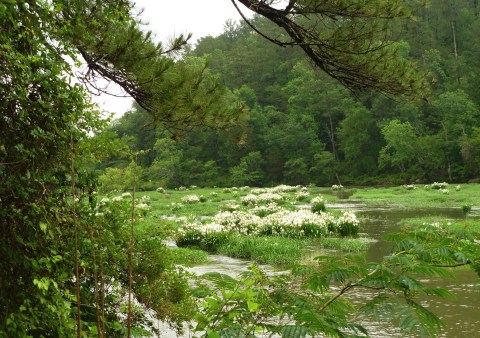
59,258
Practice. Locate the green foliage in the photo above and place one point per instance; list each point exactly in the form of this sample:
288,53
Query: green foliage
357,52
117,179
301,128
400,149
318,205
205,241
347,229
249,171
360,141
440,245
48,207
189,257
466,208
41,115
263,250
239,307
306,300
344,244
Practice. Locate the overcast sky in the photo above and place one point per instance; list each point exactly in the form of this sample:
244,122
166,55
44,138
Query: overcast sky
167,18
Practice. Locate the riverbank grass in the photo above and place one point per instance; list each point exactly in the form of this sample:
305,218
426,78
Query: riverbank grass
421,196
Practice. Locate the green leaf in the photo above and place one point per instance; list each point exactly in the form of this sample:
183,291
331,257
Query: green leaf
252,306
293,331
221,280
43,227
212,334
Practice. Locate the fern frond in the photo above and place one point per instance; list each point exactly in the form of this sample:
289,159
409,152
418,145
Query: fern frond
221,281
293,331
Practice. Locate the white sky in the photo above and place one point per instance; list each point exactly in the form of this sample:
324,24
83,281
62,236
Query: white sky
167,18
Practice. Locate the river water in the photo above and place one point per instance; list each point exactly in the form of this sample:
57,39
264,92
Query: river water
460,315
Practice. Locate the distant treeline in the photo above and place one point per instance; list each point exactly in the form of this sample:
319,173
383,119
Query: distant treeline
299,126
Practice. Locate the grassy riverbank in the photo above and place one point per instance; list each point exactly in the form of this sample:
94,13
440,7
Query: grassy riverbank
200,212
421,196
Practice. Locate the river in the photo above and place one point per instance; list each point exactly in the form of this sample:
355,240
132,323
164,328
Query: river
460,315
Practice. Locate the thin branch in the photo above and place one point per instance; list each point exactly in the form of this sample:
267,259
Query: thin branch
452,265
335,297
277,42
95,279
290,6
224,305
12,163
130,251
75,225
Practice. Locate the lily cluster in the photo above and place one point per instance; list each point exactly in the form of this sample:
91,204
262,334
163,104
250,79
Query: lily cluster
119,206
266,197
437,185
302,195
318,204
282,188
264,210
280,222
190,199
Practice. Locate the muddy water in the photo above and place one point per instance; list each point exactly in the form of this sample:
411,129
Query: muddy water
460,315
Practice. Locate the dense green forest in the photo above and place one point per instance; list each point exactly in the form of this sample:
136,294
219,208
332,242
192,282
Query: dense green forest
233,110
301,126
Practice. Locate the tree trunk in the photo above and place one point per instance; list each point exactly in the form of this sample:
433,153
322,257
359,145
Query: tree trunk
454,39
332,137
449,164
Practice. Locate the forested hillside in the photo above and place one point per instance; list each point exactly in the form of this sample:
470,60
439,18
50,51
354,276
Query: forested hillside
300,126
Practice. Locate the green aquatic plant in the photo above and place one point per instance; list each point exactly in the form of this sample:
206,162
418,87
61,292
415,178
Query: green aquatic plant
466,208
265,250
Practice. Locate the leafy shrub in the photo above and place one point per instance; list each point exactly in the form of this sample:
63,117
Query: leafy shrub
195,236
466,208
